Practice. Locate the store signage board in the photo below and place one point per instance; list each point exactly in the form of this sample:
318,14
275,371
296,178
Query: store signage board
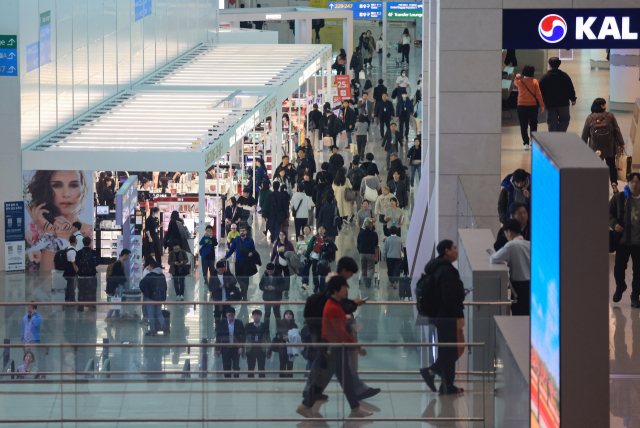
270,16
398,10
361,10
343,84
126,200
14,236
8,55
45,38
570,28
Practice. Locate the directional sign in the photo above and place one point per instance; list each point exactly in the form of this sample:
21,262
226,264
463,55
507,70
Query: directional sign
397,10
8,55
361,10
45,38
33,56
142,8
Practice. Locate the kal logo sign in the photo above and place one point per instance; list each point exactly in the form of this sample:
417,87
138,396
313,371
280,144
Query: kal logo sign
552,28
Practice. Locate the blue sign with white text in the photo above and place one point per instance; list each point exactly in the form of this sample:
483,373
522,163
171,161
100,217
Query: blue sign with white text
33,56
146,8
361,10
570,28
142,9
8,55
404,6
14,221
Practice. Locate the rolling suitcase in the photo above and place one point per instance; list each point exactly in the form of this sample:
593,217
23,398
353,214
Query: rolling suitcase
167,322
404,287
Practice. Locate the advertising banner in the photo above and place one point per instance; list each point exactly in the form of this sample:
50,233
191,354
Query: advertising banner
343,83
53,201
14,236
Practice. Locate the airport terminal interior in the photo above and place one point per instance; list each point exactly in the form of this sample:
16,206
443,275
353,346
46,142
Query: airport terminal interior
101,364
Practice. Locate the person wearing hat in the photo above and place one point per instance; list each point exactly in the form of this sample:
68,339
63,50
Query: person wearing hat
224,288
271,285
247,204
391,141
231,331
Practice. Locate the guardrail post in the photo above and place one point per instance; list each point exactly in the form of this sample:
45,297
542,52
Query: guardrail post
89,368
6,353
105,350
186,369
204,364
106,368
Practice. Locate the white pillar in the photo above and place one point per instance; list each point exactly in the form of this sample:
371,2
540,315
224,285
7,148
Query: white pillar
384,37
347,40
328,85
624,85
277,147
202,176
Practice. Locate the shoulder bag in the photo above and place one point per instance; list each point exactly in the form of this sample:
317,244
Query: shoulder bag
349,195
370,194
529,90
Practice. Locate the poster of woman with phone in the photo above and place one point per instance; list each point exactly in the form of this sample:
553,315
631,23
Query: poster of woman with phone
54,201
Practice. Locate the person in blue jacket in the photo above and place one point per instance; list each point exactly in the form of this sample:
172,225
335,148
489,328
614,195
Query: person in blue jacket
208,245
31,325
516,187
404,111
245,250
261,174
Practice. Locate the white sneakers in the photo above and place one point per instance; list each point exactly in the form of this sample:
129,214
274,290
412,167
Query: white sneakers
179,298
359,412
526,147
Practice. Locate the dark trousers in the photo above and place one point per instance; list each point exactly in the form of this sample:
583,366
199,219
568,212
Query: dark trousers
318,283
361,140
558,118
404,125
613,172
208,268
242,277
87,286
285,364
523,304
220,312
253,356
300,223
405,53
274,228
286,273
623,252
70,293
445,365
384,122
387,230
393,269
528,117
230,357
323,368
178,285
267,313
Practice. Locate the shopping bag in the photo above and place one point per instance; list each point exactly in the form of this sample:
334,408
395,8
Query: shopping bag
114,299
354,149
361,75
623,165
327,141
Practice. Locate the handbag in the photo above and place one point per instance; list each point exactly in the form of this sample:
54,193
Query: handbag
623,165
349,195
370,194
114,299
282,261
361,75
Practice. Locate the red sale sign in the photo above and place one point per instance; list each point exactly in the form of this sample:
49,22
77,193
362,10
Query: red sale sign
343,82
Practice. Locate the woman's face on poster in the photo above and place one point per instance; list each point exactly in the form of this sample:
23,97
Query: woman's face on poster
67,191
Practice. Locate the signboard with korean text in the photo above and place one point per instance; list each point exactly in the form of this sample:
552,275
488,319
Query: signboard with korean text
14,236
399,10
361,10
343,84
8,55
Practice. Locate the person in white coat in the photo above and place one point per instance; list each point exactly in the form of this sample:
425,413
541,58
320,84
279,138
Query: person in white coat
300,206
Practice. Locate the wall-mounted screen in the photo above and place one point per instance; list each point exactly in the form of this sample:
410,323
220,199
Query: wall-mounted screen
545,292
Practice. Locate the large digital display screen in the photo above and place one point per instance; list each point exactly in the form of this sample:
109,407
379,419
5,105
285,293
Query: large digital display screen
545,292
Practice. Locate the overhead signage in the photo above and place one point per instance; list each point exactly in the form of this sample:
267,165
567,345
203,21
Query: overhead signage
570,28
8,55
270,16
45,38
361,10
397,10
142,9
14,236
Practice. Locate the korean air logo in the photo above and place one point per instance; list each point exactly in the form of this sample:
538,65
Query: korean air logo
552,28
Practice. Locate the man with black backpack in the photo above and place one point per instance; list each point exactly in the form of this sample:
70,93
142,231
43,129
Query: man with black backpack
440,296
63,261
154,289
85,267
355,176
331,125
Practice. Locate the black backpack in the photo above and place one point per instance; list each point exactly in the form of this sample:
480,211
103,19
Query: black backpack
356,178
314,309
158,289
87,265
365,44
428,296
337,126
60,261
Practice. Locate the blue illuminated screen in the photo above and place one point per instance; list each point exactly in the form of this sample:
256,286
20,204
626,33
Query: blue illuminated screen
545,292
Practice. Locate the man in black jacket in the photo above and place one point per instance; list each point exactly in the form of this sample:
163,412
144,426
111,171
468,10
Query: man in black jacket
329,126
399,189
391,142
367,244
378,91
231,331
315,124
326,176
291,172
224,288
271,286
624,220
348,116
277,207
257,333
385,111
519,211
395,164
154,280
557,92
450,318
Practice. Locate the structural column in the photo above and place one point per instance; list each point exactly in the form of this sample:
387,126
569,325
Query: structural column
624,85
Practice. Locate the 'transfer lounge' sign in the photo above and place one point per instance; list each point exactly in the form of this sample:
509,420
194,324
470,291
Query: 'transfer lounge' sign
570,28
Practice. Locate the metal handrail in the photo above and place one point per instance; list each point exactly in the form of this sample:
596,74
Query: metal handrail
229,420
238,303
